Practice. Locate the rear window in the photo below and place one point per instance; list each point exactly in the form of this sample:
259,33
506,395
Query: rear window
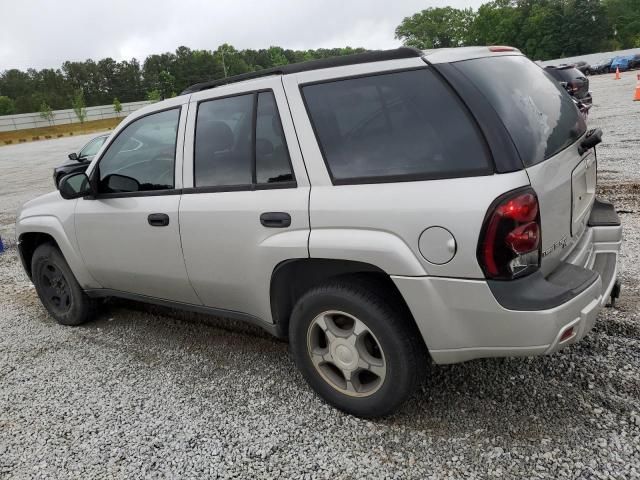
538,113
392,127
564,74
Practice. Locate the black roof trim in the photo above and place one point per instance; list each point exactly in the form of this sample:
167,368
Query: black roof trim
366,57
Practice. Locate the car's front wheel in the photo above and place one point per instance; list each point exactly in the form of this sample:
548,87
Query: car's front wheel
57,287
358,350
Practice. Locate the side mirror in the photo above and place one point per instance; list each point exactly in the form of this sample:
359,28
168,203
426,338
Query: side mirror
75,185
73,156
120,183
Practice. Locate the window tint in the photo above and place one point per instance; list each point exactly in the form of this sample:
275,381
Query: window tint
400,126
224,142
142,157
91,148
272,157
539,115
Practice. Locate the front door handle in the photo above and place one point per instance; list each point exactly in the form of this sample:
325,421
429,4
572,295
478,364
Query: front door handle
158,219
275,219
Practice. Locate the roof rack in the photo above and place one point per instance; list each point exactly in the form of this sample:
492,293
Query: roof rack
354,59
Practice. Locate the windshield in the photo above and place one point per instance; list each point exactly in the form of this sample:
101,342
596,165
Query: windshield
91,148
540,116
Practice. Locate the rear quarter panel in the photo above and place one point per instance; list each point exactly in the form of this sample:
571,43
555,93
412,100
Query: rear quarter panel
381,223
347,221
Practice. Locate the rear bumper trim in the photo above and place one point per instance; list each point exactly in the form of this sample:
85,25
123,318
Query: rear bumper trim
603,214
535,292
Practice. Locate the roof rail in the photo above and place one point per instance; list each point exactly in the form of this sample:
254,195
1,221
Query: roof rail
354,59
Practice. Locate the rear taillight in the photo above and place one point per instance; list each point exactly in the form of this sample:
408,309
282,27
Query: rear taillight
509,245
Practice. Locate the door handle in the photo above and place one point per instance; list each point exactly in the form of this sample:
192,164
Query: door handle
275,219
158,219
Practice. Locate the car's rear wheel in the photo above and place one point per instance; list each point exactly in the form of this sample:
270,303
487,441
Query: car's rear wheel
358,350
57,287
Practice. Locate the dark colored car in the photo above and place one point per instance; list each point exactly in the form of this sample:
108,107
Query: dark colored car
582,66
601,67
634,63
81,160
574,82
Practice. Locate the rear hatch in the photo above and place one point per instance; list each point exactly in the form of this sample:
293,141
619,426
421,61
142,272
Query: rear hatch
545,127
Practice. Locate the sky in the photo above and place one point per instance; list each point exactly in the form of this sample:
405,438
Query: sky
44,33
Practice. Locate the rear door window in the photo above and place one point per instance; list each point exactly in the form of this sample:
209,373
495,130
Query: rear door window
224,150
272,156
240,144
397,126
537,112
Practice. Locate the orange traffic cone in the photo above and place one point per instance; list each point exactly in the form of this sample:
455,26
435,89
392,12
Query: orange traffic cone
617,73
636,97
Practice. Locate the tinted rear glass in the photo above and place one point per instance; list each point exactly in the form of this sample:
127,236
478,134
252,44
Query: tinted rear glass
398,126
538,113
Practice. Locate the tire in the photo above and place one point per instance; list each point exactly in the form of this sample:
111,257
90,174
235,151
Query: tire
58,289
399,361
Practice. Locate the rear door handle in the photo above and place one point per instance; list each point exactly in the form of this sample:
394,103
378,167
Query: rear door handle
275,219
158,219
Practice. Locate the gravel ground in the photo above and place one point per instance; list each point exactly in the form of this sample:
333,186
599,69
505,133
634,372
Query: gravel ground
147,392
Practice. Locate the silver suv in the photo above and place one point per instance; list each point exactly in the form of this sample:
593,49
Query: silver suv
378,210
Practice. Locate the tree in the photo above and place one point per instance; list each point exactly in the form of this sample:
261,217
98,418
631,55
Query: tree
166,85
78,105
7,106
154,95
117,106
46,113
437,27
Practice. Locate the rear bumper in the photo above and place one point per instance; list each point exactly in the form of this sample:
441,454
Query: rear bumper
465,319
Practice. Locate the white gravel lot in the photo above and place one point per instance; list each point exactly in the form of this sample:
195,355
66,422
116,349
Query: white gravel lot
147,392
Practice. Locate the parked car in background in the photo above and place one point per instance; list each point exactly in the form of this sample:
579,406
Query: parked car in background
601,67
582,66
634,62
621,63
574,82
81,160
380,211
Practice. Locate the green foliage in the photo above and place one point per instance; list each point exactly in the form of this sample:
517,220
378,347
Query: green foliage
437,28
129,80
78,104
624,21
117,106
7,106
154,95
46,113
166,85
542,29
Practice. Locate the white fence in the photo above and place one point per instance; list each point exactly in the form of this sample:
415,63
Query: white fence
61,117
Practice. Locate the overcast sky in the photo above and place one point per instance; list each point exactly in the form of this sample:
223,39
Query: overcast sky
44,33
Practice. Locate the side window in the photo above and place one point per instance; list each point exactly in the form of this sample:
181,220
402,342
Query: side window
229,153
224,142
394,126
142,157
272,157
